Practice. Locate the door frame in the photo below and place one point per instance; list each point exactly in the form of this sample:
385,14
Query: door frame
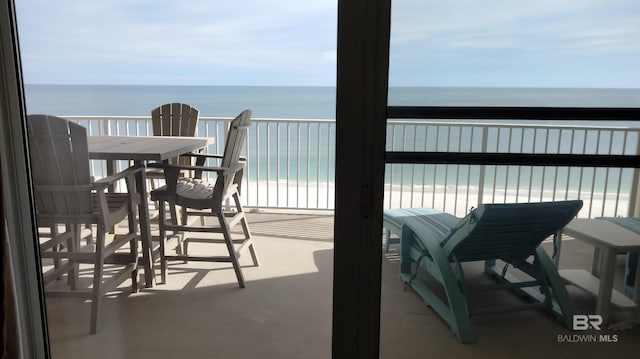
361,106
30,336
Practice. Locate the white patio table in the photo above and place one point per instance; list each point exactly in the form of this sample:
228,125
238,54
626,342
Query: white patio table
609,240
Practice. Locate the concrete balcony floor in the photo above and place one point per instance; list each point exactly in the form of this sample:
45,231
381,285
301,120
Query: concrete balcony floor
286,310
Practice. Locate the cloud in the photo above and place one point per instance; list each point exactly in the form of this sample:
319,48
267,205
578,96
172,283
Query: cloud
618,38
293,41
244,35
497,23
498,42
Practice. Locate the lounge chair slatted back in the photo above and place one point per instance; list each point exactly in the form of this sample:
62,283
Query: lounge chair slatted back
508,231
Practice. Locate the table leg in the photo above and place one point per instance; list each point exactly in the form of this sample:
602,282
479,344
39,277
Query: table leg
607,268
145,229
557,242
596,262
636,285
111,169
630,275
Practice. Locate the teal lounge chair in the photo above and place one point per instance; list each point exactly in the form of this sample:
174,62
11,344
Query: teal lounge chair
439,243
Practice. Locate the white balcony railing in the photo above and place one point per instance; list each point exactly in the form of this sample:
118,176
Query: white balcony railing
291,163
455,188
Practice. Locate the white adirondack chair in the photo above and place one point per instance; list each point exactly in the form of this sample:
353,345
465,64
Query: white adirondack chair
66,197
198,198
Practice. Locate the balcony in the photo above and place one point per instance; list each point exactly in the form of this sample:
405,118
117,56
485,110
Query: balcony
285,311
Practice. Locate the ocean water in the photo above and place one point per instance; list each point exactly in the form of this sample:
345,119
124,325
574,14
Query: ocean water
212,101
319,103
296,102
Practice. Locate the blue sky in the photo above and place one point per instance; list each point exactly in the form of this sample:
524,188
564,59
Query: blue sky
541,43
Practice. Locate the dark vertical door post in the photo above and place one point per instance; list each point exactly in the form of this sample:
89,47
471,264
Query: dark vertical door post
363,57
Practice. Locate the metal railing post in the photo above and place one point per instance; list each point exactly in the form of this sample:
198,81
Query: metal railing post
485,134
634,195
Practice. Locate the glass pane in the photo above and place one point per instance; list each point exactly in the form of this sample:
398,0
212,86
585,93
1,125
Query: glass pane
505,53
107,65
